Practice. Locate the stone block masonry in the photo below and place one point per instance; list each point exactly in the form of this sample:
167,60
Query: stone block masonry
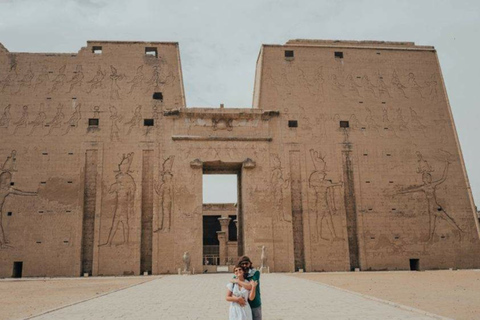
349,158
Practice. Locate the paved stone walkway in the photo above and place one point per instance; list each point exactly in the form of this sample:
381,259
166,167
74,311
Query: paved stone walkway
202,297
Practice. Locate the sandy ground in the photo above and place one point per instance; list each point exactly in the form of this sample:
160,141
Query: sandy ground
453,294
26,297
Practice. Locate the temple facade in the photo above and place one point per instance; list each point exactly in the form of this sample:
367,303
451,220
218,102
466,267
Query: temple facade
348,159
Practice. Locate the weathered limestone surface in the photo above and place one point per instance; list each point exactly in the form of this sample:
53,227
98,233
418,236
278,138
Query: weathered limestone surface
348,159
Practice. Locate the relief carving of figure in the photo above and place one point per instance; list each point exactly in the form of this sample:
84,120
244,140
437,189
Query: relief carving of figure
11,78
39,120
136,120
318,83
123,209
325,204
23,121
97,81
368,87
371,124
413,85
6,190
77,78
57,120
429,188
41,78
74,119
337,86
5,119
415,125
397,84
26,81
59,80
353,86
116,119
165,190
278,183
431,87
114,86
137,80
382,87
154,79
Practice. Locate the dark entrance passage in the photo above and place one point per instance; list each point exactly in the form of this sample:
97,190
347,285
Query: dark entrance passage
230,168
415,264
211,245
17,269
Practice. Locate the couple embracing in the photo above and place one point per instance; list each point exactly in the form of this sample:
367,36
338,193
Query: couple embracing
243,292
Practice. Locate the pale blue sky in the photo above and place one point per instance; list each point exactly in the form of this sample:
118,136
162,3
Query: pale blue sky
220,40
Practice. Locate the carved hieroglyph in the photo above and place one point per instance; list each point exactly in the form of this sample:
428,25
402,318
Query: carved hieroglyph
123,209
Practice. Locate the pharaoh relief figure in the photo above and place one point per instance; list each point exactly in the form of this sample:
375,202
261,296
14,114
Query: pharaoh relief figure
6,190
165,191
123,209
278,184
325,203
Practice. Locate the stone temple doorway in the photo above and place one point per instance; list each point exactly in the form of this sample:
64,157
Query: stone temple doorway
222,218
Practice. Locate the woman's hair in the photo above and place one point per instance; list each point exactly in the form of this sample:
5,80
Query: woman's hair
238,266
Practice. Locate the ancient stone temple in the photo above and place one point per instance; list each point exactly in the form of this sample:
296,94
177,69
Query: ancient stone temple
349,158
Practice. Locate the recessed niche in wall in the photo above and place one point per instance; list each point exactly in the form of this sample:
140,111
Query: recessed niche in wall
292,123
158,96
151,52
148,122
97,49
93,122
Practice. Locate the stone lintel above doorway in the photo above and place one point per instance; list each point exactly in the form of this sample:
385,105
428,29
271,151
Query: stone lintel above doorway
224,113
217,138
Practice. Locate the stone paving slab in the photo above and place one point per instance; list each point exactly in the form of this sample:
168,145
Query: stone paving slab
203,297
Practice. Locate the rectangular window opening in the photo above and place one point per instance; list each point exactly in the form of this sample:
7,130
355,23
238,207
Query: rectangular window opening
97,49
292,123
9,213
148,122
338,55
344,124
151,52
289,54
158,96
93,122
12,183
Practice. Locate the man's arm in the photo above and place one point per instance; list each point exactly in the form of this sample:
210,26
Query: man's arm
244,284
252,293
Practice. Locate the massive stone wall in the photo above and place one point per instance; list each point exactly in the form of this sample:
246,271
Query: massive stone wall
348,159
392,185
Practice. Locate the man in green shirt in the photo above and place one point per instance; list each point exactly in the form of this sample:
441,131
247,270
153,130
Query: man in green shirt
252,274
